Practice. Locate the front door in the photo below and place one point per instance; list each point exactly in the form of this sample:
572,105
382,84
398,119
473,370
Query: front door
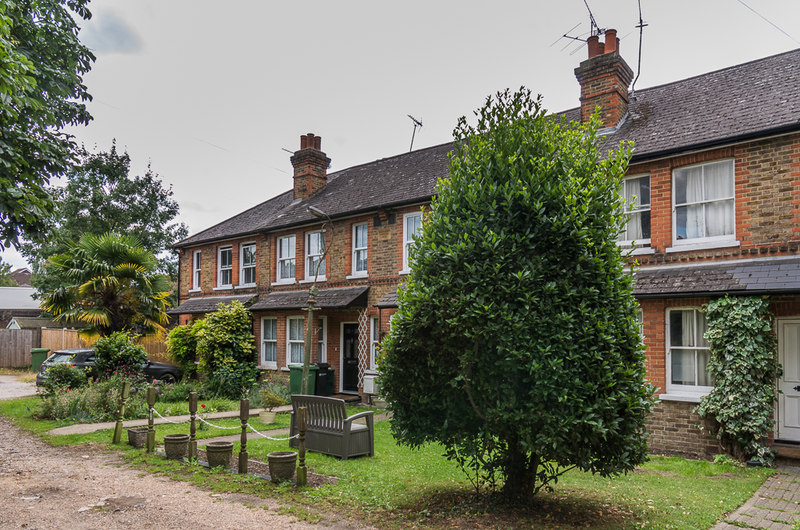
350,358
789,384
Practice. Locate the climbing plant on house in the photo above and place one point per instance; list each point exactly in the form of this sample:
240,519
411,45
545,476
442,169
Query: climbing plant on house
743,364
516,344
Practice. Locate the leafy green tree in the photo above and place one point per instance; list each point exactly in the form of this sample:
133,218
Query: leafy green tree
110,283
100,197
117,353
182,346
6,280
515,344
41,91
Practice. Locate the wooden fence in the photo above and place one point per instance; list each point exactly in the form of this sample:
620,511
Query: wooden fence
59,339
15,347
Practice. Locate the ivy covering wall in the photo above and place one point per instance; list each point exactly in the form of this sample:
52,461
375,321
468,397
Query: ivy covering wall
739,411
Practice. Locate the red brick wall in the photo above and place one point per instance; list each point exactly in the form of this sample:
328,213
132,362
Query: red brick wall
673,428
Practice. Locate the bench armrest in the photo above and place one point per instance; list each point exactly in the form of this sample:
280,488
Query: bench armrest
359,415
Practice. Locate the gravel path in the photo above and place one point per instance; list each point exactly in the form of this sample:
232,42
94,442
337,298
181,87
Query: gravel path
85,487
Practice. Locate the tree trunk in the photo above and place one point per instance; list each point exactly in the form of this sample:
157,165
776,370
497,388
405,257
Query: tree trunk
520,471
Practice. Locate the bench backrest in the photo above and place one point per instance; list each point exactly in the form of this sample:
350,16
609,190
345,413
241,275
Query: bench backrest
324,413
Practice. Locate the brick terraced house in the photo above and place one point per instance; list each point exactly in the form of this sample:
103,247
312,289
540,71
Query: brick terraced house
715,185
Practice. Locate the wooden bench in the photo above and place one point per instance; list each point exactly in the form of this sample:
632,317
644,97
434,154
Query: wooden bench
328,429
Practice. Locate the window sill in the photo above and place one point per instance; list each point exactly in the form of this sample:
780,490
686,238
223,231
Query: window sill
708,245
194,291
283,282
223,288
371,371
269,366
686,398
246,286
404,271
356,276
637,251
318,280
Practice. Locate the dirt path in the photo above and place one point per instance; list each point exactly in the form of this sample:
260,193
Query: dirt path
85,487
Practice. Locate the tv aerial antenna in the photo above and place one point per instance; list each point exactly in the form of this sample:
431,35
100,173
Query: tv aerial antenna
417,123
641,25
595,29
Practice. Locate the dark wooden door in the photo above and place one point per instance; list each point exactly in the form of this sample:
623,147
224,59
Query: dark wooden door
350,357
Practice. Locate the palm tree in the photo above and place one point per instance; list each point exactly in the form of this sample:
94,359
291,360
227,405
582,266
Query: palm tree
109,283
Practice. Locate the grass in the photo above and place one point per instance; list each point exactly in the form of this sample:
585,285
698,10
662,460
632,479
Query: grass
400,486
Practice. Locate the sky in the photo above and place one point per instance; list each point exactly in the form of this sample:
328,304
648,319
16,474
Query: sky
213,94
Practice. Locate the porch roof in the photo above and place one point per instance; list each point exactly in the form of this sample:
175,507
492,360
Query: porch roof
207,304
751,277
388,300
339,298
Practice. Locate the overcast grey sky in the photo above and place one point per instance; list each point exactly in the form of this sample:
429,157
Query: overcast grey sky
210,93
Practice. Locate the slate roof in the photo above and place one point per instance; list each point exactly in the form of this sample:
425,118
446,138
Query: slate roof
18,298
758,98
761,276
341,298
25,322
388,300
207,304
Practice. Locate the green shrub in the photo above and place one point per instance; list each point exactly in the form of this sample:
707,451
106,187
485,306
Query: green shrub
64,376
182,346
175,392
95,402
118,354
226,334
740,408
232,379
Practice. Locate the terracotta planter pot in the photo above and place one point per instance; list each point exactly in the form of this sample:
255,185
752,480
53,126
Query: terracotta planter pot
137,437
219,454
282,465
266,417
176,445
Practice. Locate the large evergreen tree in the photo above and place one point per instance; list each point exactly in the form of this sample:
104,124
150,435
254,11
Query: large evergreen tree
516,343
101,196
42,64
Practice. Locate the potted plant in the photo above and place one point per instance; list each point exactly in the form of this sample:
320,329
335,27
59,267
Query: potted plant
269,400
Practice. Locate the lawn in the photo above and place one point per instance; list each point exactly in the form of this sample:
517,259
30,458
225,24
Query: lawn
401,486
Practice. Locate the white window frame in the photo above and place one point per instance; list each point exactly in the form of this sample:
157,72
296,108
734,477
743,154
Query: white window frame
292,248
310,266
322,339
374,341
408,239
357,251
629,211
243,266
197,263
679,391
267,363
295,341
711,241
222,269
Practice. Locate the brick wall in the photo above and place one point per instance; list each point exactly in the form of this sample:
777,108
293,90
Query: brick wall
674,429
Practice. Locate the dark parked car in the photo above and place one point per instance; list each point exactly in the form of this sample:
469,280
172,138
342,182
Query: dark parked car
84,358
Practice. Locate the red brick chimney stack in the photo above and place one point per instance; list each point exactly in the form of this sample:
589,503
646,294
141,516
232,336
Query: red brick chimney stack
604,78
310,167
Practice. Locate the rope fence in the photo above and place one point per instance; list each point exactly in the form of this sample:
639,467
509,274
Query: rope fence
234,428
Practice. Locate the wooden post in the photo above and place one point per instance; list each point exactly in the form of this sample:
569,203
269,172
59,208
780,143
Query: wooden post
192,429
126,392
244,415
302,471
151,432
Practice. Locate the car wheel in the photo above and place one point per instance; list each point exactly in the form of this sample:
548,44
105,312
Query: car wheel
168,378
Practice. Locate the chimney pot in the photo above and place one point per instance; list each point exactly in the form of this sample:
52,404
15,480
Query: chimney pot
595,48
612,42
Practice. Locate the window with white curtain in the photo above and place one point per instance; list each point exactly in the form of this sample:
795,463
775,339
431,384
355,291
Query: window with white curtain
703,202
196,266
687,352
322,340
269,342
636,196
412,225
360,249
315,250
286,259
295,338
247,262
